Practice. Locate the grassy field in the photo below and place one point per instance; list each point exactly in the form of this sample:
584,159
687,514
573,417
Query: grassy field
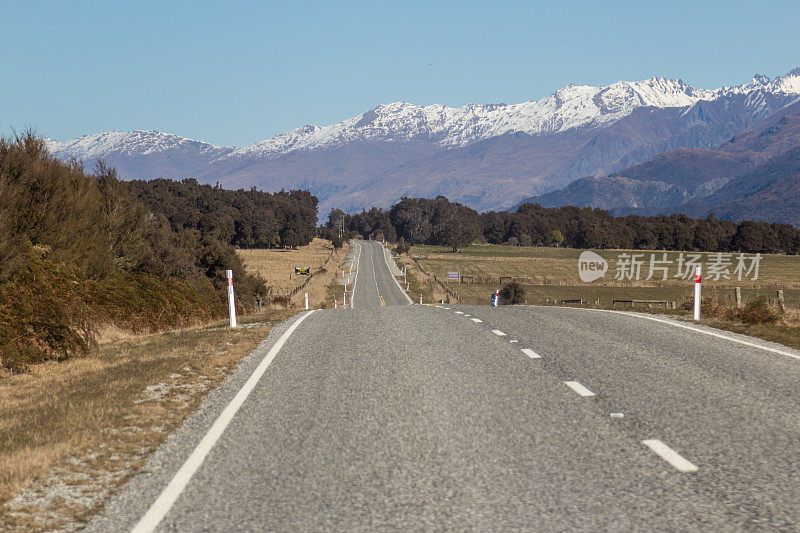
551,274
277,268
560,265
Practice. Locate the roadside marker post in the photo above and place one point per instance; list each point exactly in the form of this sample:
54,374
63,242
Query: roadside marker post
697,272
420,299
231,299
306,300
496,298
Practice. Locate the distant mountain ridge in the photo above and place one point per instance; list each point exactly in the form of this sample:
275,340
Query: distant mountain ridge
489,156
754,175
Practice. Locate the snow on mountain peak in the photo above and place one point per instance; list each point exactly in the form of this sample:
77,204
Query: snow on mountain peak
788,83
133,142
573,106
570,107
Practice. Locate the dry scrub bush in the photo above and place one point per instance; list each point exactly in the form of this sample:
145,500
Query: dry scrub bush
758,312
755,312
512,293
78,251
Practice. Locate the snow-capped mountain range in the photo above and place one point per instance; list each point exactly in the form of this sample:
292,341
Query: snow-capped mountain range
425,150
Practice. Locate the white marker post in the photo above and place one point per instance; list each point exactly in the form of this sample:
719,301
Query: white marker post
231,300
306,301
420,299
697,272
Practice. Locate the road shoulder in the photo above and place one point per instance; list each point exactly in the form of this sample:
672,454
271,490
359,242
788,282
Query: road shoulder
78,430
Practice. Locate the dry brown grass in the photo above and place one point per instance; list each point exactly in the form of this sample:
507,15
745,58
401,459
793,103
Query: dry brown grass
559,265
551,274
277,268
58,414
421,283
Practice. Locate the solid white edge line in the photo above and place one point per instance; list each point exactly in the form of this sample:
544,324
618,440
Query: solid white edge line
669,455
410,302
355,280
477,320
159,509
579,389
699,330
498,333
530,353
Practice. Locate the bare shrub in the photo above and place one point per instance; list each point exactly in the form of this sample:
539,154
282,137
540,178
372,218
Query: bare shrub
512,293
758,312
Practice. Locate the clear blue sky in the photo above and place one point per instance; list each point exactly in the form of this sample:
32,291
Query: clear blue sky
233,73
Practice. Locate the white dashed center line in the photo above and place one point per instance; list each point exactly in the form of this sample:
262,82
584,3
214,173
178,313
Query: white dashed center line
670,455
530,353
578,388
459,312
498,333
477,320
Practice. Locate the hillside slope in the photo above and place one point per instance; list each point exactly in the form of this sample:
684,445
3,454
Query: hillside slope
489,156
696,181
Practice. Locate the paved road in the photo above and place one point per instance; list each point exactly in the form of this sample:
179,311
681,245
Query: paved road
456,417
375,286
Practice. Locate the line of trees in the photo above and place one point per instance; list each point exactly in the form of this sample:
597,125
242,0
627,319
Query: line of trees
78,251
441,222
243,218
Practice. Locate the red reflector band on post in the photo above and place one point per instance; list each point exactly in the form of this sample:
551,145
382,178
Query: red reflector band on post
697,279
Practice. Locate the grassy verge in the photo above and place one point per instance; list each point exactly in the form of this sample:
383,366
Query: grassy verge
420,283
73,431
788,335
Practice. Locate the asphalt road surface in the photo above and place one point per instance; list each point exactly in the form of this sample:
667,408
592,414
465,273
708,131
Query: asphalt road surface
374,284
396,416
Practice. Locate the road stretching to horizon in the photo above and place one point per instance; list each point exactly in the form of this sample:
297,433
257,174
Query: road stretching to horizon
389,415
